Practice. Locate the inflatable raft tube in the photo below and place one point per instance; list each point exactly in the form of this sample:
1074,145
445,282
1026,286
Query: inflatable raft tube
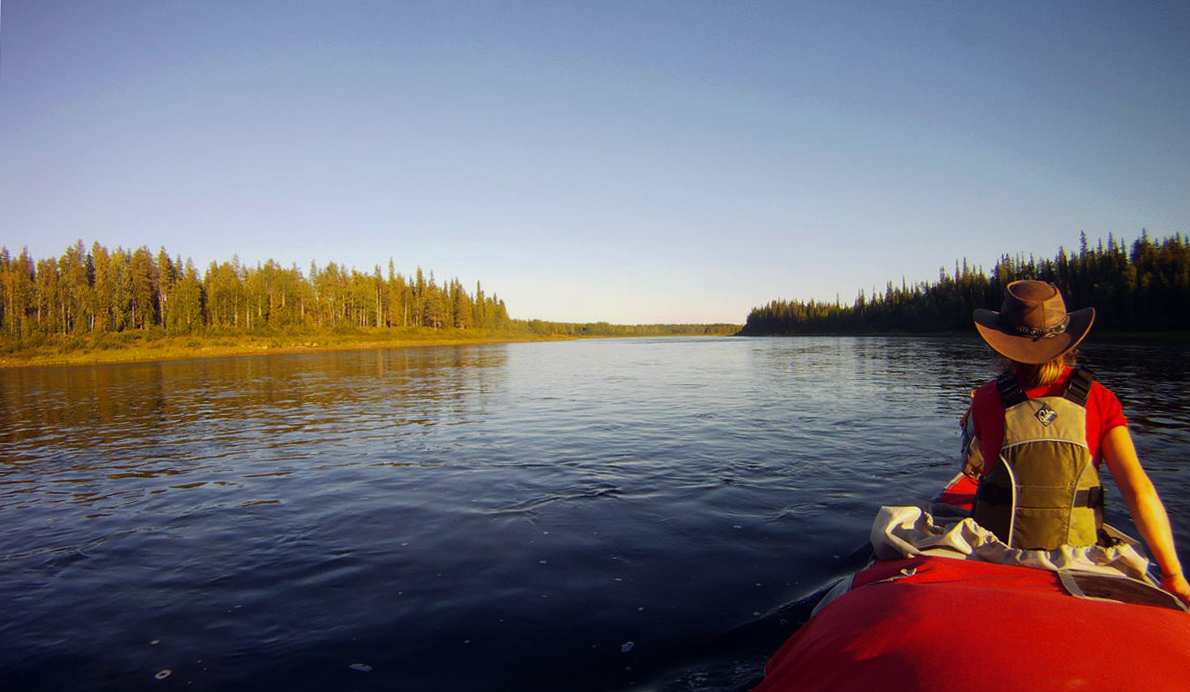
934,624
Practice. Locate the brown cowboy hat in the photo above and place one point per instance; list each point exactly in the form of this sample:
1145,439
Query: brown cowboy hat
1033,326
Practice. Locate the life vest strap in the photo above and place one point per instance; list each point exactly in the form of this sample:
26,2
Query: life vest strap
1079,386
1089,497
996,494
1010,389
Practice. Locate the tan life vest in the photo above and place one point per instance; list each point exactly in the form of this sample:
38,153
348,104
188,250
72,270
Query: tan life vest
1045,490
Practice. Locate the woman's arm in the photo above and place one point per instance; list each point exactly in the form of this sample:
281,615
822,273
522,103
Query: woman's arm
1147,511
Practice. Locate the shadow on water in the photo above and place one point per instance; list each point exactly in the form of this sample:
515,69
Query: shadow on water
729,662
734,661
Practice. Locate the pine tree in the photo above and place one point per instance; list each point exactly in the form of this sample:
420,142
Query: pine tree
167,282
186,313
145,291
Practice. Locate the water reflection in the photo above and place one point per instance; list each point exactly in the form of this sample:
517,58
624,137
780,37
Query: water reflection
67,407
106,437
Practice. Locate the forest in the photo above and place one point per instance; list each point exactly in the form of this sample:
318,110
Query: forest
1144,288
100,291
106,291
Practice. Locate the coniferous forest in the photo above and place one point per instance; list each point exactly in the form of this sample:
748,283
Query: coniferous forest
1142,288
108,291
88,293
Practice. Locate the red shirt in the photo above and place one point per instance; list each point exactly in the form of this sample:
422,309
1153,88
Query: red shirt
1103,413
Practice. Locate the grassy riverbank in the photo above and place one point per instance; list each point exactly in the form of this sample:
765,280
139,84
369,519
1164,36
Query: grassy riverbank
130,347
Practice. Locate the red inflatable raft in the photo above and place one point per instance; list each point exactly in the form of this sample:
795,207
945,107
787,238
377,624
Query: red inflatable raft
928,624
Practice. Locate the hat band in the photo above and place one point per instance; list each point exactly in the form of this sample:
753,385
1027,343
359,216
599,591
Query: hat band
1035,332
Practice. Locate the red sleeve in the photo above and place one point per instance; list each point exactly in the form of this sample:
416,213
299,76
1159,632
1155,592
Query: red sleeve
988,412
1104,412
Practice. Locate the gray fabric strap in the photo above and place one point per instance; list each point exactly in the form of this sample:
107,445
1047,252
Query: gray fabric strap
1107,587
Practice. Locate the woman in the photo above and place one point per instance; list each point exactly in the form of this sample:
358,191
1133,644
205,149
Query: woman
1037,434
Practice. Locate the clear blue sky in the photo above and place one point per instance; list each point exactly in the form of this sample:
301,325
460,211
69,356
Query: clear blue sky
633,162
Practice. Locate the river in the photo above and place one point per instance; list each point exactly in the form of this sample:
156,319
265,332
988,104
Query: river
622,514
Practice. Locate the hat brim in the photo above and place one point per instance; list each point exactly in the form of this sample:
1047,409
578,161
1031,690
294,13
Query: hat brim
1030,350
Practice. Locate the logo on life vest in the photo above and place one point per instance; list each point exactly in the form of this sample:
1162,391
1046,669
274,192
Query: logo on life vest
1045,415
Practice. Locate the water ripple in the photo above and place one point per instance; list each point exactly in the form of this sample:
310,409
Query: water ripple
471,517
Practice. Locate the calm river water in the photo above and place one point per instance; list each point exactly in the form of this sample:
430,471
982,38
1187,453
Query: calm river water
586,515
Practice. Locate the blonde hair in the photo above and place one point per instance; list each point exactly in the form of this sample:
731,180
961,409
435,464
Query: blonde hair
1033,376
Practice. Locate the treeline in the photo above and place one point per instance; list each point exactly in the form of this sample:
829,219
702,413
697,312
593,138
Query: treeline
626,330
101,291
1142,288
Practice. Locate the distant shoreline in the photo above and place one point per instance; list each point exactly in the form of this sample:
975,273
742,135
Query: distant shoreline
148,348
155,347
1144,337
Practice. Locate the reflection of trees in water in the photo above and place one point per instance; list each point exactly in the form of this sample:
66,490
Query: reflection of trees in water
113,430
74,405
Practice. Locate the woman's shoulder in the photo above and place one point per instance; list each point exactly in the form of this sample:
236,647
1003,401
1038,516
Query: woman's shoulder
986,396
1106,405
984,389
1097,386
1100,392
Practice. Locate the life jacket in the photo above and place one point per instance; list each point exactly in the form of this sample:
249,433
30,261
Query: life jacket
1045,490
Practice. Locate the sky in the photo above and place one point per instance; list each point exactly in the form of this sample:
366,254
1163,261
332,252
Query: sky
630,162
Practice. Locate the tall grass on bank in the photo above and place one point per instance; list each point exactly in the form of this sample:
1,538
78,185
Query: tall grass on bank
152,345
